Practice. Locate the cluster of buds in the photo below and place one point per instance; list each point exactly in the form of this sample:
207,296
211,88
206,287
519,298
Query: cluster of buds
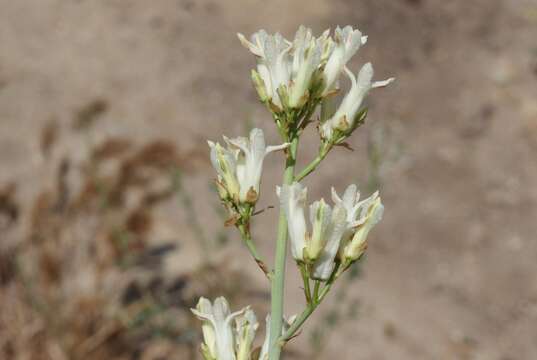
338,235
239,166
230,335
294,77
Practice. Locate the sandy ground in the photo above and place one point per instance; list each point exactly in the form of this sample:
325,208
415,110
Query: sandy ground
451,270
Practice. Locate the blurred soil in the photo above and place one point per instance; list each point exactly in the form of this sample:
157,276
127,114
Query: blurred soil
106,212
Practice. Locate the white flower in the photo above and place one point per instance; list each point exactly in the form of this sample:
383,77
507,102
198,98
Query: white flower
250,161
219,342
306,59
320,216
273,63
321,245
285,69
246,326
225,163
285,326
362,216
345,115
292,201
351,203
323,267
239,167
347,43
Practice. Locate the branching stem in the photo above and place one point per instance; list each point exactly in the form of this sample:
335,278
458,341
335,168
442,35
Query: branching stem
323,151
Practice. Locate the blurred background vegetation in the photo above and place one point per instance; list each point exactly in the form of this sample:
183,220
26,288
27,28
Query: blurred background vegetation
110,229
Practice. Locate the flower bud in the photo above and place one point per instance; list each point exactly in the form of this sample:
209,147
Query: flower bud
221,340
224,162
239,166
260,87
325,264
347,43
306,59
320,219
246,327
292,202
358,244
346,115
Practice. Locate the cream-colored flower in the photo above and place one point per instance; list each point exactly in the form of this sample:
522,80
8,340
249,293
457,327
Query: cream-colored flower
347,42
362,216
273,63
324,265
246,326
224,161
293,201
306,59
240,165
285,69
345,116
218,333
319,246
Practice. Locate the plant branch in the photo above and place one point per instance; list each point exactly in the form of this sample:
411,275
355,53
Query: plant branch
299,321
323,151
247,238
306,281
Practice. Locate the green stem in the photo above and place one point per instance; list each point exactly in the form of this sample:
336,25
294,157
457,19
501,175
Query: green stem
316,289
278,281
297,324
306,281
317,300
247,238
323,151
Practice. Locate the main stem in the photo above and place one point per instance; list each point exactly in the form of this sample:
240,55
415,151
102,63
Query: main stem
278,281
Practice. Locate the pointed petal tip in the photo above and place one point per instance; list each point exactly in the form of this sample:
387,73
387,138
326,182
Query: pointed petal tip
244,41
383,83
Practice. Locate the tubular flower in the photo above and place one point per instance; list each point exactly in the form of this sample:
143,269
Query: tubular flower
246,326
323,267
224,161
306,59
362,216
344,119
240,165
347,43
320,246
273,67
293,200
285,69
218,333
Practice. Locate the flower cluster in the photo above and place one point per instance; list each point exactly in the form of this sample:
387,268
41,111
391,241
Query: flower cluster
293,79
230,335
338,235
227,335
298,75
239,166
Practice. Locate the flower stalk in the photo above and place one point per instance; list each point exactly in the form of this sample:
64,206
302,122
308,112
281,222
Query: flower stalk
293,79
323,151
278,281
244,230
